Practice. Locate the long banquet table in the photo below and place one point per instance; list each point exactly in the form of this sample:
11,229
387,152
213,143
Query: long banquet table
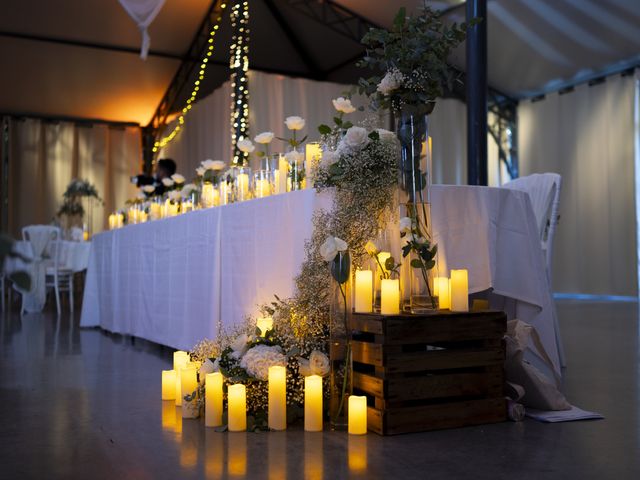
178,280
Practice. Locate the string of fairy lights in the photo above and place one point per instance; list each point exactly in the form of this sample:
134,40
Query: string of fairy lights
196,86
239,65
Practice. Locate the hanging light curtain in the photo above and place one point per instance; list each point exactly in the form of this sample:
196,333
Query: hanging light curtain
143,13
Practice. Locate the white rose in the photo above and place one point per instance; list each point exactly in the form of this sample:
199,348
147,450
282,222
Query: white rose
200,171
212,164
294,157
258,360
167,182
239,345
176,177
141,196
329,157
188,188
175,195
406,225
330,248
304,368
148,189
207,367
391,81
386,135
355,138
319,363
245,145
294,123
264,138
343,105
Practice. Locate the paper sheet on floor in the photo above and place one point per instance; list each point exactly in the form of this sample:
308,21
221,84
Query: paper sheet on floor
552,416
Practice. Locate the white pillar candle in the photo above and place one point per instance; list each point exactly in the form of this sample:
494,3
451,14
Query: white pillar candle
213,399
155,211
364,291
180,360
263,188
313,403
243,186
283,174
112,221
390,297
442,290
168,385
237,409
189,384
357,415
264,324
459,290
277,398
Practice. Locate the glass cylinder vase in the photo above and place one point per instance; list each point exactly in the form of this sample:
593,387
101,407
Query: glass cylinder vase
296,176
242,180
415,180
340,355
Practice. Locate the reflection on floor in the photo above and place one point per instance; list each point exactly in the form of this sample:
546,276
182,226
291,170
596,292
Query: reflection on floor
79,403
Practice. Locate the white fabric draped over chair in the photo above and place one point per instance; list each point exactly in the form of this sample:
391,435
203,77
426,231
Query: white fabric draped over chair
40,237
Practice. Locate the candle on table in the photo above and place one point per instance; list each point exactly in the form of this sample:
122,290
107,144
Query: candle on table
263,188
223,194
264,324
243,186
237,400
460,290
112,221
155,211
357,415
313,403
390,297
209,195
282,174
313,154
187,206
180,360
171,209
277,398
213,399
168,385
119,220
188,385
364,291
441,290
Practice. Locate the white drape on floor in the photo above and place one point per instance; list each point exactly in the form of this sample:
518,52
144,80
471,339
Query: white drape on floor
206,133
588,136
44,157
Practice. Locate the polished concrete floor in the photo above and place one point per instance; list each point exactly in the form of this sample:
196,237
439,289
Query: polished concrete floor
78,403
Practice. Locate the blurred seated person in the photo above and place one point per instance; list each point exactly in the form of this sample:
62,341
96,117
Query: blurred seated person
165,168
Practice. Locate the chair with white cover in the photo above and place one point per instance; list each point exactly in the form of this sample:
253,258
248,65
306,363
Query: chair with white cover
544,192
46,267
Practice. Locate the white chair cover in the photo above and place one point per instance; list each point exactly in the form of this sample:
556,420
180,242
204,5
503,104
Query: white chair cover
39,236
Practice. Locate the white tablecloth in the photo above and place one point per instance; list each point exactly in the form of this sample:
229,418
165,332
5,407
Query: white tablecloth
175,281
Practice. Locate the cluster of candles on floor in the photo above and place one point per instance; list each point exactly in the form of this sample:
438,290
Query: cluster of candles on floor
183,380
452,293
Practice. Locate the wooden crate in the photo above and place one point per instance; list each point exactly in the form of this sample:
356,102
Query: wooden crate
429,372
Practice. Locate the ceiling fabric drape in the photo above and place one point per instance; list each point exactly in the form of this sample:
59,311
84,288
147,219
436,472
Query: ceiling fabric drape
143,12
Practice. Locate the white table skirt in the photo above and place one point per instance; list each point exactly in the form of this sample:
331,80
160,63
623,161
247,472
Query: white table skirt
176,281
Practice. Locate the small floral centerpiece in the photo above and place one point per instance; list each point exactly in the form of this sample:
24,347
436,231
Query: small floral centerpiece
72,212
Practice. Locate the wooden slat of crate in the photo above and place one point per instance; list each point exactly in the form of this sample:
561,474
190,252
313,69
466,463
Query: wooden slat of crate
401,362
435,417
397,391
441,327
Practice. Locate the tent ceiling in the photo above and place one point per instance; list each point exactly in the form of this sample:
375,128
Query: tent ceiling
534,46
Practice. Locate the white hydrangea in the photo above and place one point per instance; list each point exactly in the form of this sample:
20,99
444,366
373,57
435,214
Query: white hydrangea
392,80
258,359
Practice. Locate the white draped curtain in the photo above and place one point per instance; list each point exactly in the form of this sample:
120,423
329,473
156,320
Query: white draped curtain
206,133
45,156
588,136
